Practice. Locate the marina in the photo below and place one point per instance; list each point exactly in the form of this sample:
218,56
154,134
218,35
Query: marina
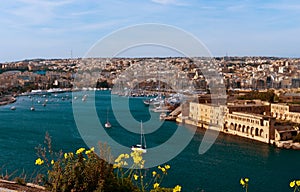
240,157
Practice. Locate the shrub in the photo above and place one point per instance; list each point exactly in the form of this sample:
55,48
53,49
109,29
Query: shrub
85,171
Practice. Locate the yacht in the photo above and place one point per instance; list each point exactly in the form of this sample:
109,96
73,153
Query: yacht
142,145
107,124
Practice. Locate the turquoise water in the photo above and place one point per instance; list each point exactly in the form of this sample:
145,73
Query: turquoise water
220,169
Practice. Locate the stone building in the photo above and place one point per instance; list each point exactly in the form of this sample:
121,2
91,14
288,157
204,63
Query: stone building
249,125
207,115
242,122
283,111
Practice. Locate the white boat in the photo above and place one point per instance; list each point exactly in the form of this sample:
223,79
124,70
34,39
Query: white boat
162,116
84,98
154,101
142,145
32,107
13,108
107,124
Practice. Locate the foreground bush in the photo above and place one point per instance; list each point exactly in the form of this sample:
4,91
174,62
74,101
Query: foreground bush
85,171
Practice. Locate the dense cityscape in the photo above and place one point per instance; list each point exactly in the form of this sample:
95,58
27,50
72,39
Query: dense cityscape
262,92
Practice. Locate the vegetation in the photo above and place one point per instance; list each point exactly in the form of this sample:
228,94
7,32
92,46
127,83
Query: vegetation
244,182
269,96
295,185
297,138
85,171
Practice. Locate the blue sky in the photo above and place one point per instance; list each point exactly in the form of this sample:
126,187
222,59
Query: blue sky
52,28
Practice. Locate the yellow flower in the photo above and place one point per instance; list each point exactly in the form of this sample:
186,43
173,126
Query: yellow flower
39,161
92,149
163,169
137,157
88,152
167,167
177,188
292,184
242,182
154,173
159,167
126,156
155,185
135,177
246,180
117,160
52,162
80,150
66,155
298,183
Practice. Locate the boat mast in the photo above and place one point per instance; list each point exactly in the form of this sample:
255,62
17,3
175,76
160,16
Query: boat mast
144,140
143,136
141,133
107,115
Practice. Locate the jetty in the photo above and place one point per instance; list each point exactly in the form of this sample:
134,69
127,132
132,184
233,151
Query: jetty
173,115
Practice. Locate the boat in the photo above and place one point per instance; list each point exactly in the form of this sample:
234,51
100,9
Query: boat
161,108
84,98
141,147
107,124
147,102
32,107
162,116
13,108
154,101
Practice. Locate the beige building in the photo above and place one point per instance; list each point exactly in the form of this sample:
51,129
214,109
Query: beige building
249,125
260,127
207,115
249,106
286,112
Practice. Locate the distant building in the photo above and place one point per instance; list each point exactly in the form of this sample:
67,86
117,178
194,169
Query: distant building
283,111
246,120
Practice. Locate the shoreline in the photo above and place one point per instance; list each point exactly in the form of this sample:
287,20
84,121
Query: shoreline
7,100
289,144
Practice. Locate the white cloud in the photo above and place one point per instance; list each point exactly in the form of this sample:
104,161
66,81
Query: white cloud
34,12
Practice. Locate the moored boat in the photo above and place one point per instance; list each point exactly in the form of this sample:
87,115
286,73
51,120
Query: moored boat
141,147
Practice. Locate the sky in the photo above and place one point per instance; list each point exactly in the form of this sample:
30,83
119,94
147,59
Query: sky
69,28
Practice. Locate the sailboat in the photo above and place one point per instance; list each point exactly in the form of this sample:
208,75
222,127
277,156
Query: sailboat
141,146
32,107
107,124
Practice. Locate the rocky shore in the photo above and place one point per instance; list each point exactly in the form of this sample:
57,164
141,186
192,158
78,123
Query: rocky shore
7,100
288,145
12,186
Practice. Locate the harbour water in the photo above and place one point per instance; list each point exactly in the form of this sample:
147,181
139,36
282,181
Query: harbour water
219,169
